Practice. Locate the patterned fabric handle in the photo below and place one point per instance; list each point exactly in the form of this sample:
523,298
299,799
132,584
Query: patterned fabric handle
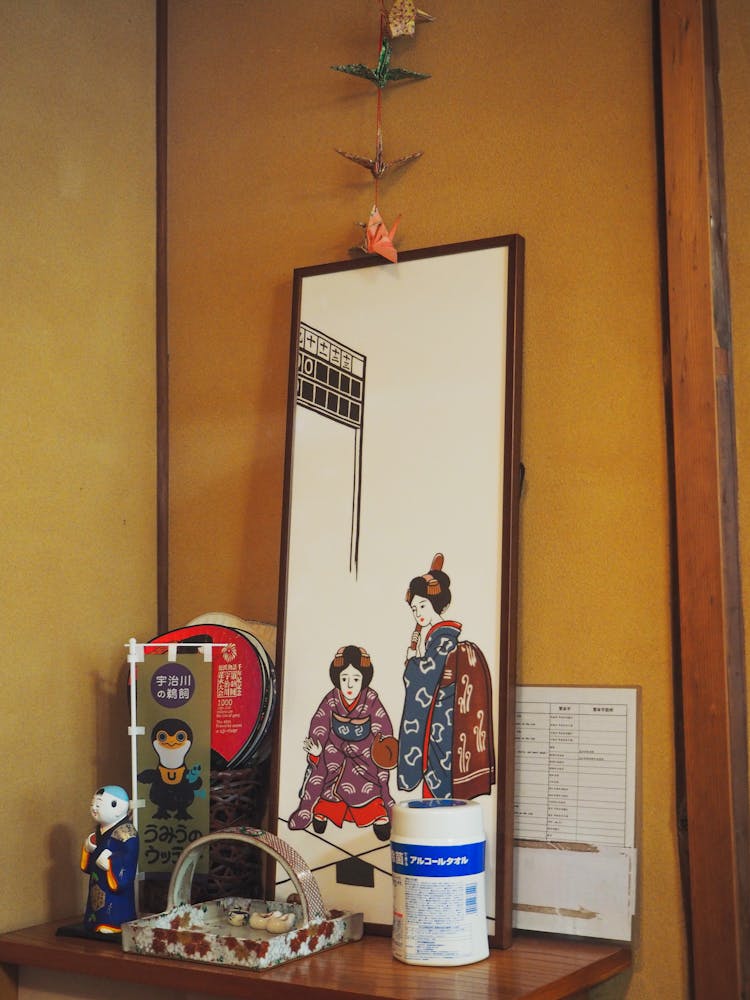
293,863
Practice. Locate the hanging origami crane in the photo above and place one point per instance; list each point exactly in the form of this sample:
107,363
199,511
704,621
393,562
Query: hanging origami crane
383,73
379,164
400,20
378,239
403,17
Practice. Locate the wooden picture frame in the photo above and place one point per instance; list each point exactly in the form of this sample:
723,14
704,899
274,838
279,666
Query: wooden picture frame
402,463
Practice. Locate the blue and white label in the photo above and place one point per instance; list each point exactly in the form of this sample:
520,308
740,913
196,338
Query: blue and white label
430,861
438,903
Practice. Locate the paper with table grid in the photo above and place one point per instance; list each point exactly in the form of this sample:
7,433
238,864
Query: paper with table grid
575,855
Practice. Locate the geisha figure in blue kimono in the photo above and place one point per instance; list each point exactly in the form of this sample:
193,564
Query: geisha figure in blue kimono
445,739
109,857
343,784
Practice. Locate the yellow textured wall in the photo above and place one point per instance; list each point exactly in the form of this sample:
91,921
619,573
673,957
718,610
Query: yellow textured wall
538,119
77,482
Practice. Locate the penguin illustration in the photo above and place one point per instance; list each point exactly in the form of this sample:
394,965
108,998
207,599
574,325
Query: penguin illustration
173,786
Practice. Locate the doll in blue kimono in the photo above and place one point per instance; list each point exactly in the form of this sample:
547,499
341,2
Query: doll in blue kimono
109,857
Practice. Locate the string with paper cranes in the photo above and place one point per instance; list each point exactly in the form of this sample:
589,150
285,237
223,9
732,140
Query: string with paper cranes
397,22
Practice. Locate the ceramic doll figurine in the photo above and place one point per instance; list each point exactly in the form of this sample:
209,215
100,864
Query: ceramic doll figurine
110,858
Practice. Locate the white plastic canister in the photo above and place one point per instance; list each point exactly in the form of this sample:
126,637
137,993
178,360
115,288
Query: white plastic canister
437,859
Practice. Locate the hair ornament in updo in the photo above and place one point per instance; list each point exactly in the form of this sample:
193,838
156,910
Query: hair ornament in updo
339,660
433,585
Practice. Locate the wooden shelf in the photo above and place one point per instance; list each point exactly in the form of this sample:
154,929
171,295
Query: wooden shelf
536,966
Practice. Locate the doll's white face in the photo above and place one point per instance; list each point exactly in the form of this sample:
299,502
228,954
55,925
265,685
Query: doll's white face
107,809
350,682
423,611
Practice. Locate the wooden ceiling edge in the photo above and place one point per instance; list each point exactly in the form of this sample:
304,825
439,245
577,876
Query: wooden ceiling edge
710,663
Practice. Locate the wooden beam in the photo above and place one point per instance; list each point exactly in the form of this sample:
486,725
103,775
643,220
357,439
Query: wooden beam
709,661
162,332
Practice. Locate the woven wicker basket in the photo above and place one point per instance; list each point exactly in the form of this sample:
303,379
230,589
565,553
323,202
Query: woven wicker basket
238,798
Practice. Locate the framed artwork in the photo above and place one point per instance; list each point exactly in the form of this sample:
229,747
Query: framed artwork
398,581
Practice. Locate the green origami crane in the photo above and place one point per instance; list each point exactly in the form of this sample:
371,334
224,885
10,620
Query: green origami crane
382,74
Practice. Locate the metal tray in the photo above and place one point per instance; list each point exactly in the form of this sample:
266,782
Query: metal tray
202,932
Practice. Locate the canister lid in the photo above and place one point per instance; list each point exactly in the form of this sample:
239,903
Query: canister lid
437,819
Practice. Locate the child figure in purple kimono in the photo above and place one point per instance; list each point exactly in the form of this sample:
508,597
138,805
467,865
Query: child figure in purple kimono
343,783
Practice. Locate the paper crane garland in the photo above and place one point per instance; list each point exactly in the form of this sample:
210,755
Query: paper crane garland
400,20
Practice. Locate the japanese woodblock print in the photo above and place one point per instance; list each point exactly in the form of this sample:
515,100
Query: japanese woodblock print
397,597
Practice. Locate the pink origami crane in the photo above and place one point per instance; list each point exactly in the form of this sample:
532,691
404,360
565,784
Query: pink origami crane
377,237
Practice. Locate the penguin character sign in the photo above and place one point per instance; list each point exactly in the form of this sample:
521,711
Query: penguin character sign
173,754
173,784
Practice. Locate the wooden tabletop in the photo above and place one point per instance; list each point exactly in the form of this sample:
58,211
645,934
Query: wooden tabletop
536,967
